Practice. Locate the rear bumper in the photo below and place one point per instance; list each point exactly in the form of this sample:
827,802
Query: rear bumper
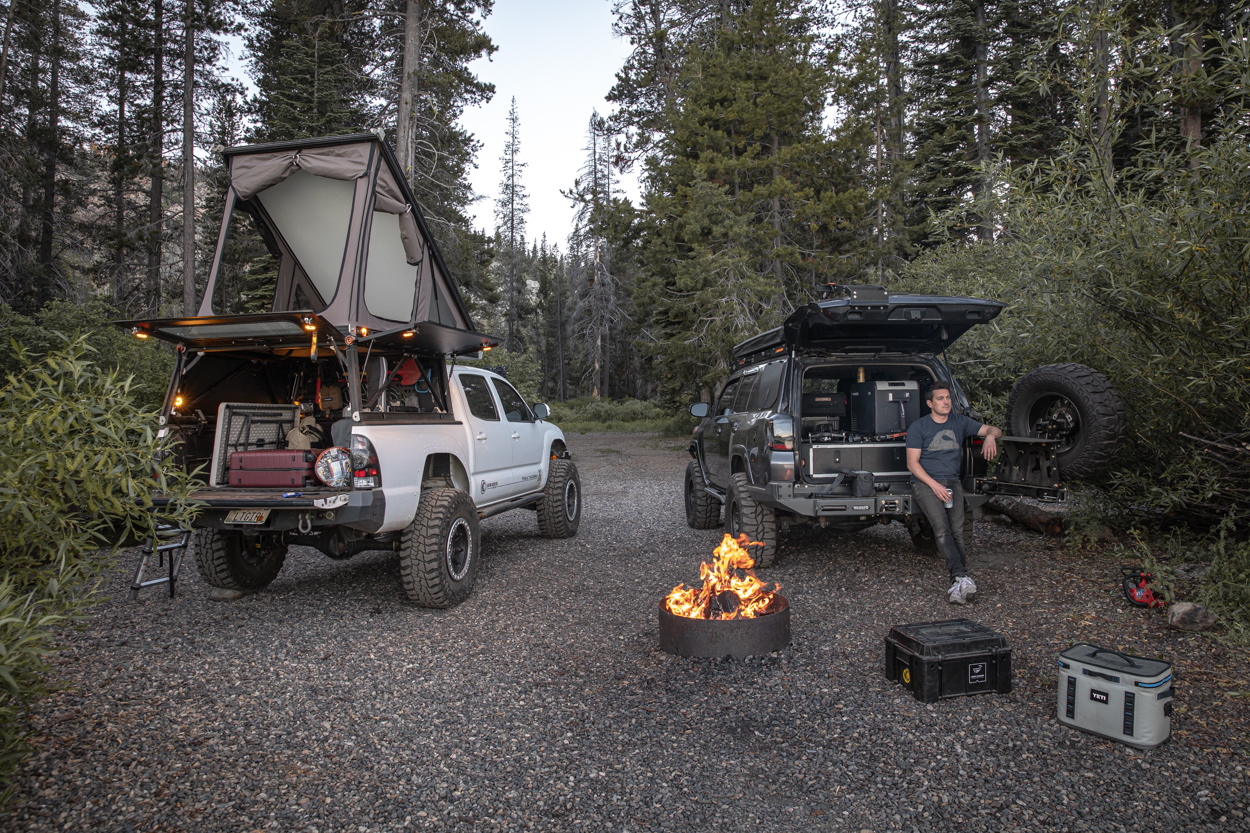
815,501
363,510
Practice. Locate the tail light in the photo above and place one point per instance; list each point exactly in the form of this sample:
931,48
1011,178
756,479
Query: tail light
366,473
781,433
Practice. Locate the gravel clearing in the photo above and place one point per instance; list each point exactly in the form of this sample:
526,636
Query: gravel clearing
329,703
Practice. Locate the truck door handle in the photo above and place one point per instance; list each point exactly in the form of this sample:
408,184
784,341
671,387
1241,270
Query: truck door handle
733,425
481,438
516,436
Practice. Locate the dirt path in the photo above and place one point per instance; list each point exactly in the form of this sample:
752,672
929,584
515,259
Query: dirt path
329,702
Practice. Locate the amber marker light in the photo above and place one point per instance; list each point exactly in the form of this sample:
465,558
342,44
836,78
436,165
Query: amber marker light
364,331
486,348
408,334
177,401
139,333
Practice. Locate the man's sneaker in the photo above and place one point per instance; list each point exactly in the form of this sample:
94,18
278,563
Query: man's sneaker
956,594
970,588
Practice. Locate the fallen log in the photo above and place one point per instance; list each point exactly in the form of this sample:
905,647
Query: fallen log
1038,520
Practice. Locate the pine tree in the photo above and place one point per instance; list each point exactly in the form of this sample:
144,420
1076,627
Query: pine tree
308,64
746,218
511,208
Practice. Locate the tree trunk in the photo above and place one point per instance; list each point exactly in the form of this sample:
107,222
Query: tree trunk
52,149
1038,520
156,192
188,162
119,182
986,231
4,51
408,86
1102,63
776,210
1191,108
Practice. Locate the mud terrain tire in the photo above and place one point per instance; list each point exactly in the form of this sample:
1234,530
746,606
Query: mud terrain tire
234,561
743,516
1082,400
440,550
560,509
702,510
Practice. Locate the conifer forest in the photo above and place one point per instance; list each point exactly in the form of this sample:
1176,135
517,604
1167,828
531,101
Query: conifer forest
1085,161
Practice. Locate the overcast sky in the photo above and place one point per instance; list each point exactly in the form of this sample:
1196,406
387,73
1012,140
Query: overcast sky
559,59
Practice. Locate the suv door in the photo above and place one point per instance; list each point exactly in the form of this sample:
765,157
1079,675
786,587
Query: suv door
526,438
492,441
716,451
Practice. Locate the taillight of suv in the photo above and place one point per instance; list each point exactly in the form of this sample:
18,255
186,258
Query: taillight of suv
780,438
366,473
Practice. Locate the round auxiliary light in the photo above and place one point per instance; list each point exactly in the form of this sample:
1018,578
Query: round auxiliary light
334,467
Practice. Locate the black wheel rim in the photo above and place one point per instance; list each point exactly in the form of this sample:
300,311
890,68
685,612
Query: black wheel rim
256,551
459,549
732,515
1064,415
570,499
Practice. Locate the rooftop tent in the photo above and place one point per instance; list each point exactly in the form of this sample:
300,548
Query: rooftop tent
349,241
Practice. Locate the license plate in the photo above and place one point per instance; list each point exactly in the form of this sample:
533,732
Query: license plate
247,516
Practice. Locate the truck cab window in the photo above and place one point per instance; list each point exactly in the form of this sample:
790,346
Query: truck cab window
477,394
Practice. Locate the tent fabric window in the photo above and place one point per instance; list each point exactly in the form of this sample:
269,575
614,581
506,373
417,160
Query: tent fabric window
314,215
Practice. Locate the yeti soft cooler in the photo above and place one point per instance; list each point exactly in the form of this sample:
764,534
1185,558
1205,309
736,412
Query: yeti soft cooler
1118,696
948,659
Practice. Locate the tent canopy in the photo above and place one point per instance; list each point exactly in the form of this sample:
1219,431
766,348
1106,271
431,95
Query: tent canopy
348,237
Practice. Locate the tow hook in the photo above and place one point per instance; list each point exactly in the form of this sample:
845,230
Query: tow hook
305,523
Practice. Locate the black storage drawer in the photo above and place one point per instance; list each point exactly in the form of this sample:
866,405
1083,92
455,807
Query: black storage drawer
953,658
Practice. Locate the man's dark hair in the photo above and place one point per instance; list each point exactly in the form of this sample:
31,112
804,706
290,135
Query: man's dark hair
937,386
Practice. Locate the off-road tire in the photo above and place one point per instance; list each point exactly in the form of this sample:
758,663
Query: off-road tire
560,509
233,561
440,550
702,510
743,516
1081,393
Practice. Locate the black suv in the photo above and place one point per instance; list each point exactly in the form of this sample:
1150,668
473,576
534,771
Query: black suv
811,426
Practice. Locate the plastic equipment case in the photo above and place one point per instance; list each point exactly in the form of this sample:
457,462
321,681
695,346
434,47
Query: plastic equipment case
948,659
1118,696
280,468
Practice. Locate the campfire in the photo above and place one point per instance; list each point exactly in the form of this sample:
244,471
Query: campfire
726,593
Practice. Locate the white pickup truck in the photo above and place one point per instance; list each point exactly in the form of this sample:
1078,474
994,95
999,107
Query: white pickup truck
338,417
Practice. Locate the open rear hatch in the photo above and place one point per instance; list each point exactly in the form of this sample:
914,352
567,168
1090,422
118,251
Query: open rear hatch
871,320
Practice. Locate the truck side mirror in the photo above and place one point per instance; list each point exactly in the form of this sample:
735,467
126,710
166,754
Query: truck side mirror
700,410
542,411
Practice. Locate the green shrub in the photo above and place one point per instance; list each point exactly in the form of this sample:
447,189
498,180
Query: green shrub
82,463
151,365
521,369
588,415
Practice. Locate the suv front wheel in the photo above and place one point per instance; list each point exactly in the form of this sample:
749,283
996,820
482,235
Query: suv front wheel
702,510
744,516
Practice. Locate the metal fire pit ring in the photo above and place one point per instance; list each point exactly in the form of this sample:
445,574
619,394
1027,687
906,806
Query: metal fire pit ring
736,638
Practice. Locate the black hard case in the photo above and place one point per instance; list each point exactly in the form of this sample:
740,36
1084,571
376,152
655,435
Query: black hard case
953,658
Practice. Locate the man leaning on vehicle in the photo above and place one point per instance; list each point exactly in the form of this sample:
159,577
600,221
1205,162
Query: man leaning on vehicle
934,444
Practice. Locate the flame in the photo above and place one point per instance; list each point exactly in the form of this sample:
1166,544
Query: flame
708,602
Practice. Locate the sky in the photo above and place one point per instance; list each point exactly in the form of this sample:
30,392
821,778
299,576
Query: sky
559,59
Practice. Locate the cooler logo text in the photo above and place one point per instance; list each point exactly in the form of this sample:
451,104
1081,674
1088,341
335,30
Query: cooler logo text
976,672
1098,696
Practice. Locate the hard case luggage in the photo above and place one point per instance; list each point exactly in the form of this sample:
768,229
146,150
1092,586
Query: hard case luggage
266,468
1118,696
952,658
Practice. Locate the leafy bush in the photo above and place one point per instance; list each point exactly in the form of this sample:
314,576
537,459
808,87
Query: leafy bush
82,463
521,369
617,415
1139,271
150,364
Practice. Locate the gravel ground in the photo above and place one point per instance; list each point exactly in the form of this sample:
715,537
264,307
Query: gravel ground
328,702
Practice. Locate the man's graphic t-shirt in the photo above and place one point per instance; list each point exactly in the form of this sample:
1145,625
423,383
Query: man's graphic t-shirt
940,442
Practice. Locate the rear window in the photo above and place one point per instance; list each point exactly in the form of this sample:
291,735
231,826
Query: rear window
746,390
769,386
477,394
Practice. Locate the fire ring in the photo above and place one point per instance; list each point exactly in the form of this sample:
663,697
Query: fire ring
736,638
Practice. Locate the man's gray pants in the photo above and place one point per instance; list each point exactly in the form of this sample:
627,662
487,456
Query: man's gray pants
948,524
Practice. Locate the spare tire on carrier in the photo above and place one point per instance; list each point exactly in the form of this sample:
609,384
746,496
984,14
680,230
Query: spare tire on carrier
1076,406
